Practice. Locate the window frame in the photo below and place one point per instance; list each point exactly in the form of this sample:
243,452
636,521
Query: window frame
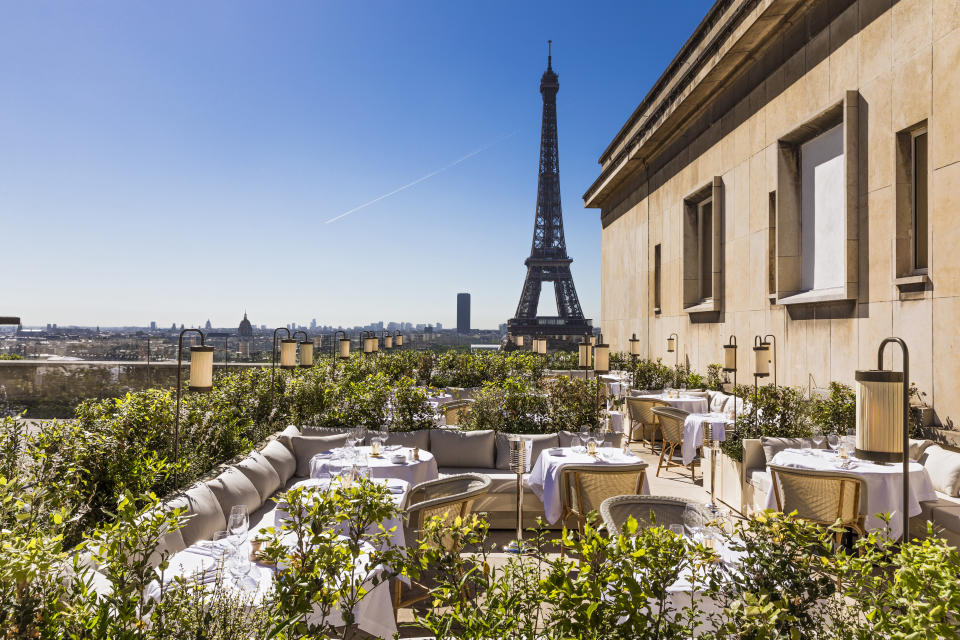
914,226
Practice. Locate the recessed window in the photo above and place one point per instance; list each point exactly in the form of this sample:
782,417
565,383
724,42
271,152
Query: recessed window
772,243
822,206
656,279
701,248
919,190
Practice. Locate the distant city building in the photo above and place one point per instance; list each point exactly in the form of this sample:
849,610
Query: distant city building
173,327
153,326
208,326
463,313
245,332
439,326
313,324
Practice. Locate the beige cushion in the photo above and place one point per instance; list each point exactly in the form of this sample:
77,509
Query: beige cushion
419,438
204,514
288,433
944,469
540,442
571,439
231,488
305,447
760,479
947,515
281,458
773,446
261,473
454,448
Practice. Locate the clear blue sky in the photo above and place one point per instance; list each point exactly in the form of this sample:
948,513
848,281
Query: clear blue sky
178,161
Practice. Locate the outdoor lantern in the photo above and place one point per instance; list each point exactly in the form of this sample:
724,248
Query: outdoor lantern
368,346
519,340
601,357
634,345
344,347
542,346
288,353
730,355
399,340
880,415
306,353
584,352
593,340
388,342
672,343
201,368
761,354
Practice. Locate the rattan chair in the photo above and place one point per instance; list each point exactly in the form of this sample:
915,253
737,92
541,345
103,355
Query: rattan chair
446,498
643,421
453,412
648,511
584,487
671,430
824,497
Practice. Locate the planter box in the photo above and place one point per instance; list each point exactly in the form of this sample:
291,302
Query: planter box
728,478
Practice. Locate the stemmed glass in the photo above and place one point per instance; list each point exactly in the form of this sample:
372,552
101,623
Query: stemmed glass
833,440
818,440
224,552
584,436
693,520
238,525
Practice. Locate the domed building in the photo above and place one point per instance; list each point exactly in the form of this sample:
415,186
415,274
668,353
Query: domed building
245,332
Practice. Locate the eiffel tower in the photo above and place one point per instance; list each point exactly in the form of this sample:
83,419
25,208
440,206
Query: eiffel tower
548,261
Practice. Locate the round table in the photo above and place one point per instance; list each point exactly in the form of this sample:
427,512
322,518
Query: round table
413,471
884,483
544,478
690,404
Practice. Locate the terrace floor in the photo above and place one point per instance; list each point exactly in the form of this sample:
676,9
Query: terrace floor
673,482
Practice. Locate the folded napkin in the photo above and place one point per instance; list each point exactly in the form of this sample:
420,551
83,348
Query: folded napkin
395,488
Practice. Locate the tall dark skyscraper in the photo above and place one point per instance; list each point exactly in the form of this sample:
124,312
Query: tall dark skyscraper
548,261
463,313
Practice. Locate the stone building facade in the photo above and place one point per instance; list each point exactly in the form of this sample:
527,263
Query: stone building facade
795,172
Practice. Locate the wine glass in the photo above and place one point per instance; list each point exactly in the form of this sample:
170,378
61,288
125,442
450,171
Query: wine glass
677,530
833,440
584,435
224,552
818,440
239,522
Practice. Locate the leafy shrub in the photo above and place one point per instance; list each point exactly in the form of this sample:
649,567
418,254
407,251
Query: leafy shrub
776,411
837,412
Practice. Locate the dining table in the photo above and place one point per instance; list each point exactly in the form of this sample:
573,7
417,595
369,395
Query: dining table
330,463
693,432
544,478
689,403
884,484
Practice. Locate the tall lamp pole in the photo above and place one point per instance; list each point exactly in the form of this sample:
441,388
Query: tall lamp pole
672,348
878,391
772,342
761,369
201,379
287,345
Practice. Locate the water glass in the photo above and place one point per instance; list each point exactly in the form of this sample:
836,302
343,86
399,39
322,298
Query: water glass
805,445
677,530
224,551
833,440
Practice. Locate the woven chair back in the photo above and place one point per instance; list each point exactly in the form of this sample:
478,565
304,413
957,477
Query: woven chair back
671,422
819,496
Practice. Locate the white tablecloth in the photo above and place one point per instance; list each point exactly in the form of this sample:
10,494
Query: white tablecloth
693,432
374,613
413,471
616,421
398,493
691,404
544,479
884,484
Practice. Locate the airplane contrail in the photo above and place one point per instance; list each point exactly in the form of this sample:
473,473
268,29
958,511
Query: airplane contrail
421,179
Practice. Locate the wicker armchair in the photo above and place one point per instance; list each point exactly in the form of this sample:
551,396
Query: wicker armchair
454,411
584,487
649,511
640,412
447,498
671,429
824,497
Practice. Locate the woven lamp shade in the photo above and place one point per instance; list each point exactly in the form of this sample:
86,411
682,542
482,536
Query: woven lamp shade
288,353
729,357
671,345
201,368
388,342
880,415
306,353
344,348
634,345
601,358
519,341
399,341
542,347
761,356
368,346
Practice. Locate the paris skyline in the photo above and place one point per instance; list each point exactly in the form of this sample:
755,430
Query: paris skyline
205,166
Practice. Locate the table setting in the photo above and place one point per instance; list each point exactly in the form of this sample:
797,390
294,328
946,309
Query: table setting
681,400
884,481
379,460
544,478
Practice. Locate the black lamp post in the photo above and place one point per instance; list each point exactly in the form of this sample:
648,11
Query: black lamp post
883,427
584,353
672,348
201,379
730,361
772,342
285,349
761,369
226,352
